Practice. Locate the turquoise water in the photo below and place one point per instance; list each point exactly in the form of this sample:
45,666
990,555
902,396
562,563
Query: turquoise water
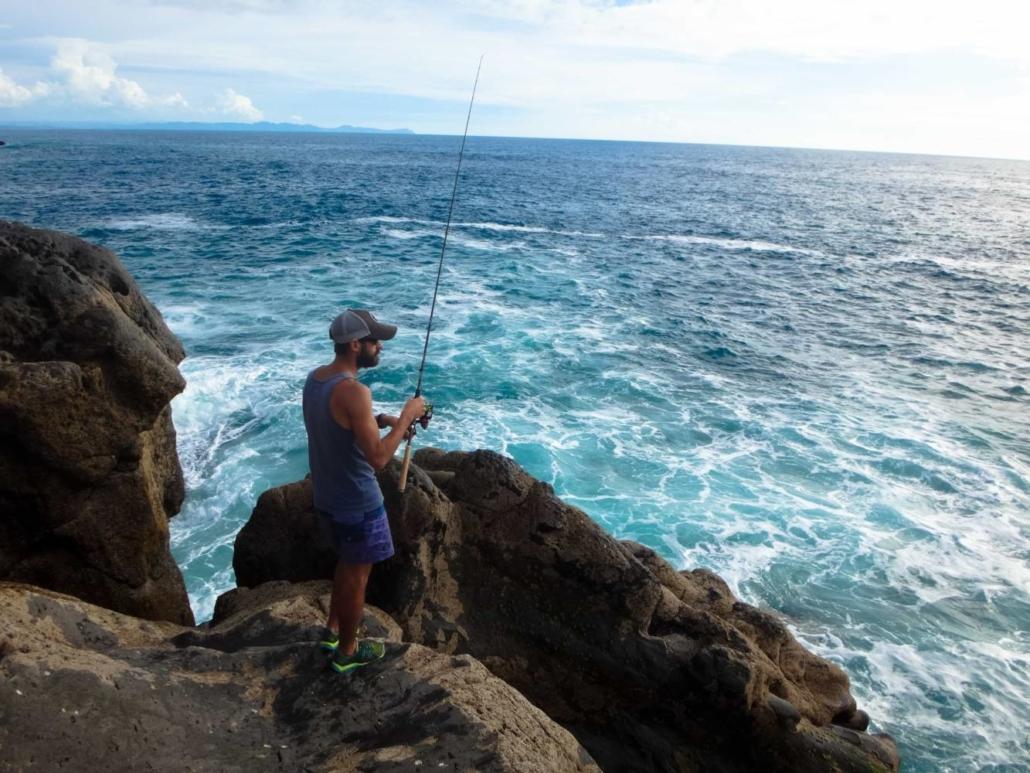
805,370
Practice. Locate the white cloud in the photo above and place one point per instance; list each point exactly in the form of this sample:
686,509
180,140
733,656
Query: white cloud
88,74
236,6
818,29
555,51
237,105
12,94
712,70
83,73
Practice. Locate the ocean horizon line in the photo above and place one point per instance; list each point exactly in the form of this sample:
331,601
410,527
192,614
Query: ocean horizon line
283,127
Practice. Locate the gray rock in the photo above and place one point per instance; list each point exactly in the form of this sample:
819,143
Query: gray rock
89,474
855,720
271,547
89,689
785,710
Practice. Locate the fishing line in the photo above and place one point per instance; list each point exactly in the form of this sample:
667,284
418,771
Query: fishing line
439,272
446,232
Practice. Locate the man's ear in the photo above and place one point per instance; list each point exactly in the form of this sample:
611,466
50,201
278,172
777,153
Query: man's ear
355,345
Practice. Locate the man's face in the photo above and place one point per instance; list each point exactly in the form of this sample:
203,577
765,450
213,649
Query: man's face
368,354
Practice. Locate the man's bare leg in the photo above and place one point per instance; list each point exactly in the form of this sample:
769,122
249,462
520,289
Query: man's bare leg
333,623
347,605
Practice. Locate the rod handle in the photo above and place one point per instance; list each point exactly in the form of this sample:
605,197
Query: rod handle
404,466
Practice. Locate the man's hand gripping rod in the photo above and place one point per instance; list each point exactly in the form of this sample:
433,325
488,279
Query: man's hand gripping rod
429,326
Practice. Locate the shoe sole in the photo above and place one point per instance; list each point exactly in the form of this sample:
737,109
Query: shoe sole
343,668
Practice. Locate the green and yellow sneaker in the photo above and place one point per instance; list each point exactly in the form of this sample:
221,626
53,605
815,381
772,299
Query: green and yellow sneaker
330,643
366,652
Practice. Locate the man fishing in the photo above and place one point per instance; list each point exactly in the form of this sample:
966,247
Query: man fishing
344,451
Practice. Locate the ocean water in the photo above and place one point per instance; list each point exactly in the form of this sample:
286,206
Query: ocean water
806,370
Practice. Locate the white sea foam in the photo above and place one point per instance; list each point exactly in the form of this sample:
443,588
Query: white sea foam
183,318
488,246
456,238
503,227
397,233
391,219
531,229
897,677
481,226
754,245
162,221
981,265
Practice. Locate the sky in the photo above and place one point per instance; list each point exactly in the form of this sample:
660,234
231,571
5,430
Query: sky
923,76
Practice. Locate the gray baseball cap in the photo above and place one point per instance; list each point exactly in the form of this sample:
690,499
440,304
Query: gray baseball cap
359,323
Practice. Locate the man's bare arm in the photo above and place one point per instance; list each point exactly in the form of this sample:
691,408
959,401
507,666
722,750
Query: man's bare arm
378,450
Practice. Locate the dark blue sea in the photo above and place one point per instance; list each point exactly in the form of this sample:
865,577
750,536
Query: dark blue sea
806,370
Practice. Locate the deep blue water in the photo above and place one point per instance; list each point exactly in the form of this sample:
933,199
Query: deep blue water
807,370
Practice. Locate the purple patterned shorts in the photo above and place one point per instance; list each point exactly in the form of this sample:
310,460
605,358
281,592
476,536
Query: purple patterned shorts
359,538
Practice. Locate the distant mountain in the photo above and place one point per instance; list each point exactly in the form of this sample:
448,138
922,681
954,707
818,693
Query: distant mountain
199,126
266,126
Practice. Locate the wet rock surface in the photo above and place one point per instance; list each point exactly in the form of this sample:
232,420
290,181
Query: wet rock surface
84,688
650,668
89,474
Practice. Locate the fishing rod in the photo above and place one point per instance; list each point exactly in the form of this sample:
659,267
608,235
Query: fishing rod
439,272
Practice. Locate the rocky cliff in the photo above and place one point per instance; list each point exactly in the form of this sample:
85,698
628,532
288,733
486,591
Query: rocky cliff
649,668
89,474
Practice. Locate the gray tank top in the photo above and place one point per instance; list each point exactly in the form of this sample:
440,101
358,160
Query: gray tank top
344,482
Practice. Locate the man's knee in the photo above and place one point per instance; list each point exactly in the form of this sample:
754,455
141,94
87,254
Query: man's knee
352,576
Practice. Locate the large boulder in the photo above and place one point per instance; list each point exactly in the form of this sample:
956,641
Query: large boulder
89,474
650,668
84,688
283,539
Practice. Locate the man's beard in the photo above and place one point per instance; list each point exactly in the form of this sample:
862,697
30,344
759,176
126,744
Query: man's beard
367,360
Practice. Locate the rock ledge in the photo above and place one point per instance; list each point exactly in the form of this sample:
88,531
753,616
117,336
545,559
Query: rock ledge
648,667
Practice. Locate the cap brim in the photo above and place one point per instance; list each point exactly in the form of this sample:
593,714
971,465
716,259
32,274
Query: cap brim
381,332
376,329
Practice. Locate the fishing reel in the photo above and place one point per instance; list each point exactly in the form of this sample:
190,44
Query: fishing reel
421,421
424,420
